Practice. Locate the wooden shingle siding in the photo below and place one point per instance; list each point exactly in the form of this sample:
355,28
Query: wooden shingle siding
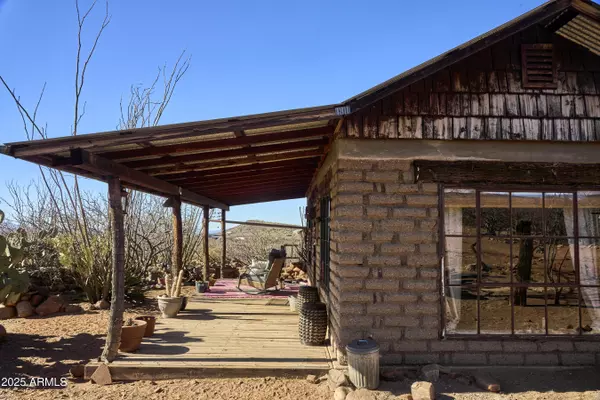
482,97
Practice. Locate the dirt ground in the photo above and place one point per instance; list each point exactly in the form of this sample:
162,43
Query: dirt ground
49,346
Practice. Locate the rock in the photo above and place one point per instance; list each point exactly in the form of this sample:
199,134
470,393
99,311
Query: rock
341,393
24,309
102,305
422,391
73,309
404,397
77,371
486,382
361,394
25,297
430,373
7,312
391,374
101,375
52,305
3,333
336,378
312,378
36,300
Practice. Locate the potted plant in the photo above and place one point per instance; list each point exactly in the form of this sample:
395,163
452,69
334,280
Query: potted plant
132,333
150,324
201,286
170,303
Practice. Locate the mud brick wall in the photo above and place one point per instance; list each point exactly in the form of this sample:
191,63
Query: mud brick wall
386,275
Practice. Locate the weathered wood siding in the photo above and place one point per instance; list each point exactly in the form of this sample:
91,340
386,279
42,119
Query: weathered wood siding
482,97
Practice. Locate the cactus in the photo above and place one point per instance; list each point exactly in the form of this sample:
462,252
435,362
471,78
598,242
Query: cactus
12,280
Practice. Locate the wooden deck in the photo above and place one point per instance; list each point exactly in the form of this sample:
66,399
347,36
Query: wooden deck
223,338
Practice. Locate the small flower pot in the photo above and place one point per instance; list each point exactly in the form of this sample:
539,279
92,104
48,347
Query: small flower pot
131,336
201,287
169,306
183,303
150,324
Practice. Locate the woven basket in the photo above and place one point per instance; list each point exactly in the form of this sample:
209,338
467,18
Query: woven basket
306,294
312,327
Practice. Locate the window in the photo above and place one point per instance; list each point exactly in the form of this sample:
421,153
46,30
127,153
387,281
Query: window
521,262
325,208
539,66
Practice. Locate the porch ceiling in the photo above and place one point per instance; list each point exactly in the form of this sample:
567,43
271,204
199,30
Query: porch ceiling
220,163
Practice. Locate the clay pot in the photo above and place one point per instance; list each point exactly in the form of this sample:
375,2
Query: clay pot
183,303
169,306
201,287
131,336
150,324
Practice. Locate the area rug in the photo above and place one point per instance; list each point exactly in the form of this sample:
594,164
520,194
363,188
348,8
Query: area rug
227,289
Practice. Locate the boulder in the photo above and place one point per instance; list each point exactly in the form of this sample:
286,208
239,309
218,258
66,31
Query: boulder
336,378
430,373
7,312
51,305
312,379
2,332
101,375
12,299
422,391
77,371
341,393
24,309
102,305
486,382
361,394
73,309
36,300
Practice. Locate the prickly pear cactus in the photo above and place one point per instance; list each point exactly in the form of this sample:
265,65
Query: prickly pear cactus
12,279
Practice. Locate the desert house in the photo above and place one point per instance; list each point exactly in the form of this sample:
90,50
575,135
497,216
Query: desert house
452,211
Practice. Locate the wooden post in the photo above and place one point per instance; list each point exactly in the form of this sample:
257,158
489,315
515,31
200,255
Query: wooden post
206,211
224,238
177,256
115,322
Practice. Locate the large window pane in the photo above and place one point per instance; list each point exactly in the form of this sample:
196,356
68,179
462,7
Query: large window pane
495,213
495,311
563,310
459,212
528,260
495,260
461,310
527,214
560,262
530,318
460,261
588,204
558,214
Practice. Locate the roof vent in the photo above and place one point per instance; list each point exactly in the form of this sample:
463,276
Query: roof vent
539,66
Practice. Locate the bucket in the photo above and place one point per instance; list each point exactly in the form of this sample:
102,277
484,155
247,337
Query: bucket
363,363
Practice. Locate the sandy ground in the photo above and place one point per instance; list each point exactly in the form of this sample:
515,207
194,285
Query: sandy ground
48,347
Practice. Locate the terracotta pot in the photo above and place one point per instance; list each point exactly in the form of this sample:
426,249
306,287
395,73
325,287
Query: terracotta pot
169,306
183,303
131,336
150,324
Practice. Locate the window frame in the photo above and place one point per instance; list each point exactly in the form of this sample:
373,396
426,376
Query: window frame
542,189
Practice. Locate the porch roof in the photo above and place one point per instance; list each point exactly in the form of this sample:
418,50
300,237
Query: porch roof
220,163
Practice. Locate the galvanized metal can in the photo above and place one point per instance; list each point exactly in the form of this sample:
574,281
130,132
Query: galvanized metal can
363,363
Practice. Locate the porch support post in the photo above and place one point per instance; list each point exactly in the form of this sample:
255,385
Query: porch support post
115,323
224,238
205,213
177,257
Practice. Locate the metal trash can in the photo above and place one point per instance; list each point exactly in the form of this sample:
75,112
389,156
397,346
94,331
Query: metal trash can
363,363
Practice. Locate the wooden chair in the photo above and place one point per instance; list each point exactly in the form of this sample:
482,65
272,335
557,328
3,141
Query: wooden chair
263,280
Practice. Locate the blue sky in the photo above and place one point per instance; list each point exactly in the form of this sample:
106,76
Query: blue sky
247,57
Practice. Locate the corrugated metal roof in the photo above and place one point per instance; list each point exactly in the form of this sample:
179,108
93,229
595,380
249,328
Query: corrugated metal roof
583,31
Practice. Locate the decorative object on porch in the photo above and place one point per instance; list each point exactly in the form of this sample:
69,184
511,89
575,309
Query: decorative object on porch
292,302
312,326
212,279
132,333
150,324
184,301
306,294
363,363
267,278
201,286
169,306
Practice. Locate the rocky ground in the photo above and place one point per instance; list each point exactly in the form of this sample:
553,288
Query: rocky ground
49,346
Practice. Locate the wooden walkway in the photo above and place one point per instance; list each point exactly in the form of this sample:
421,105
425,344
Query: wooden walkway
223,338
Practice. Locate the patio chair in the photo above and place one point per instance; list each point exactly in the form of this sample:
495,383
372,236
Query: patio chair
264,279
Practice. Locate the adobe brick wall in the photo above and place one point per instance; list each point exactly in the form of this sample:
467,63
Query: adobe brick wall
385,275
